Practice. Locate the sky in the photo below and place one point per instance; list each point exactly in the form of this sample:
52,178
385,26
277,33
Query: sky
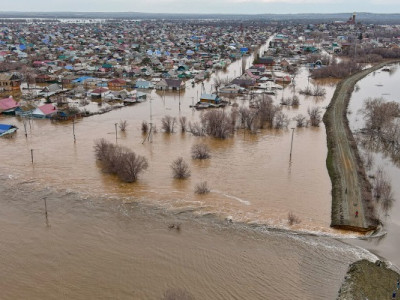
206,6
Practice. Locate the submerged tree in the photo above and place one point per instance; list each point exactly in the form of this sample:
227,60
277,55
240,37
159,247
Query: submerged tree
200,151
315,116
180,168
168,124
123,162
202,188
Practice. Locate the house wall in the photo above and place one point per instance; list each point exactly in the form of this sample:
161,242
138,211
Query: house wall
10,85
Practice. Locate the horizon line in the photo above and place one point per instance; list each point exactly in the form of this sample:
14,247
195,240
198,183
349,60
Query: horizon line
201,13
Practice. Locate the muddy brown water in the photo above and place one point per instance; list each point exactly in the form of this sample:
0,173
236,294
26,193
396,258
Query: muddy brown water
250,175
101,248
111,239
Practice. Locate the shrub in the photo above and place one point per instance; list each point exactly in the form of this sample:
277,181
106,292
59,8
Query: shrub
300,120
145,127
196,129
295,100
217,124
319,91
202,188
127,165
293,219
123,125
281,120
337,70
168,124
180,169
200,151
183,123
315,116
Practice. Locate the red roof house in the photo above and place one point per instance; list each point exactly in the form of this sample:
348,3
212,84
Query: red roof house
8,105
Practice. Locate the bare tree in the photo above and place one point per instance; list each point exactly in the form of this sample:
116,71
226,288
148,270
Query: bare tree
234,116
123,124
248,118
368,160
378,113
295,100
217,83
319,91
183,123
168,124
127,165
180,169
217,123
130,166
383,190
196,129
300,120
306,91
266,111
315,116
202,188
200,151
337,70
281,120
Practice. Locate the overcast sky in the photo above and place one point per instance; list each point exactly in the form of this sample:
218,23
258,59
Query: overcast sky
207,6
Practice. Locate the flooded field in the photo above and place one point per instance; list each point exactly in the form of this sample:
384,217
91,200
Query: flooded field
376,85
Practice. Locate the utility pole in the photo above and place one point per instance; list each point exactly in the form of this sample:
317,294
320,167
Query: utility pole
149,136
45,211
116,132
24,122
73,129
32,156
291,145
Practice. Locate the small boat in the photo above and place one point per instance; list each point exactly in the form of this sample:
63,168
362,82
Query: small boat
6,129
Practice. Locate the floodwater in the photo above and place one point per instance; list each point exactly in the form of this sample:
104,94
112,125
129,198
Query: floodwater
98,249
250,175
107,239
381,84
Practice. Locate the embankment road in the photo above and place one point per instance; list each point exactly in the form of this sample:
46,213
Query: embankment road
351,190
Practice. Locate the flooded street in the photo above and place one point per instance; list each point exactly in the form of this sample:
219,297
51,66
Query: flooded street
376,85
111,239
249,174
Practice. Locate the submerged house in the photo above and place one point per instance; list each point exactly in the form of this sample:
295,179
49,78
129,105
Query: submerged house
8,106
143,84
10,82
170,84
210,98
50,90
117,83
6,129
100,92
44,111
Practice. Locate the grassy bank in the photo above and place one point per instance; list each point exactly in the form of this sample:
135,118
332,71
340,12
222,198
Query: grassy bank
367,280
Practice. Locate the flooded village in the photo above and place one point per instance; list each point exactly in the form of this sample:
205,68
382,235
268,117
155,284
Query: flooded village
133,149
